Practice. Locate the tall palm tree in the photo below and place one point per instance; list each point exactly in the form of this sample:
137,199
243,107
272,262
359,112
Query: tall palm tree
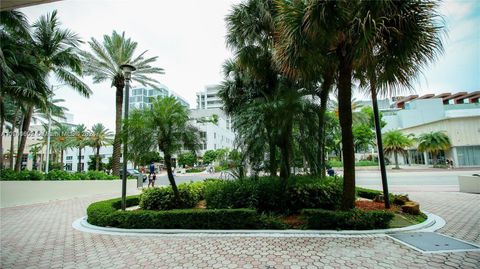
168,122
80,140
103,64
350,31
21,77
395,142
434,143
56,51
101,137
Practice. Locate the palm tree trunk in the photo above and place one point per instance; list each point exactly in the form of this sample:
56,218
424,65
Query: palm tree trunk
12,139
79,168
23,141
345,115
2,122
117,141
272,156
395,154
61,159
325,90
168,164
97,159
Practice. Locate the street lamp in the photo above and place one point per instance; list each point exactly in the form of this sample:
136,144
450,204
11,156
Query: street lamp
127,73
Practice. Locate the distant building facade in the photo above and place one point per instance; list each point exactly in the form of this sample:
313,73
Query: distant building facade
216,134
209,98
141,97
457,115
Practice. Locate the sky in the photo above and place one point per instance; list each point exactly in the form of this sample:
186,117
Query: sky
188,36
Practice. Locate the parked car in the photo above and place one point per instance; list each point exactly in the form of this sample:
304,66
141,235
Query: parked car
135,173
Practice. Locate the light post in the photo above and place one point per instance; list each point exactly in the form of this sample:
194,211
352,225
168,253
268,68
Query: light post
127,73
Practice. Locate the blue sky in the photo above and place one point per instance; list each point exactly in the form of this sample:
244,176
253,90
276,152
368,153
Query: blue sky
188,38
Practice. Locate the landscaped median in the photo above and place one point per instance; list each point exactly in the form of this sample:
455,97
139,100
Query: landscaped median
305,203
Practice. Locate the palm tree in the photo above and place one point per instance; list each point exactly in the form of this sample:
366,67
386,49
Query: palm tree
80,140
101,137
21,77
434,143
167,120
56,51
103,64
61,140
351,31
395,142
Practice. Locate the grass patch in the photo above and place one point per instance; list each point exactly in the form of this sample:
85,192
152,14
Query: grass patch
401,220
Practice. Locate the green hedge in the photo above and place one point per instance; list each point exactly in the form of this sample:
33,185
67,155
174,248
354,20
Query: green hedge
10,175
163,198
346,220
106,213
371,194
267,194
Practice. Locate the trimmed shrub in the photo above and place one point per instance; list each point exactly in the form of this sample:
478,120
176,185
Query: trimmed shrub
371,194
58,175
195,170
99,213
273,222
346,220
267,194
11,175
163,198
106,213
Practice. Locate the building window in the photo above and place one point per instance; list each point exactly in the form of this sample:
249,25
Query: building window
214,146
69,158
415,157
214,135
468,156
68,167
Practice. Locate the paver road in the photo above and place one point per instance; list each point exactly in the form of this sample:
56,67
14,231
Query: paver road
41,236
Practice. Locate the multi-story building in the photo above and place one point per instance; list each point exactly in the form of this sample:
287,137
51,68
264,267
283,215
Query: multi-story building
457,115
215,129
141,97
209,98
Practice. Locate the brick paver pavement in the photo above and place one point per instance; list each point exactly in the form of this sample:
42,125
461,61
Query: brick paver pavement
41,236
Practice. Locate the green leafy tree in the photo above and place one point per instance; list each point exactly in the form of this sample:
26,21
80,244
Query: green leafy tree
187,159
150,156
209,156
100,137
395,142
434,143
363,137
368,112
167,121
103,64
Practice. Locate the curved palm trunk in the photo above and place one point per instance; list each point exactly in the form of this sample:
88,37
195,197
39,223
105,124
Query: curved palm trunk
23,140
97,159
12,140
171,179
345,114
117,141
327,83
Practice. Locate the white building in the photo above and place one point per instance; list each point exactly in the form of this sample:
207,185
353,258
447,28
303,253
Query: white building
140,97
458,118
209,98
215,129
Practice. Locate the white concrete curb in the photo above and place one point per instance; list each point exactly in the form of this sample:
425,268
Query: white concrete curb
432,224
